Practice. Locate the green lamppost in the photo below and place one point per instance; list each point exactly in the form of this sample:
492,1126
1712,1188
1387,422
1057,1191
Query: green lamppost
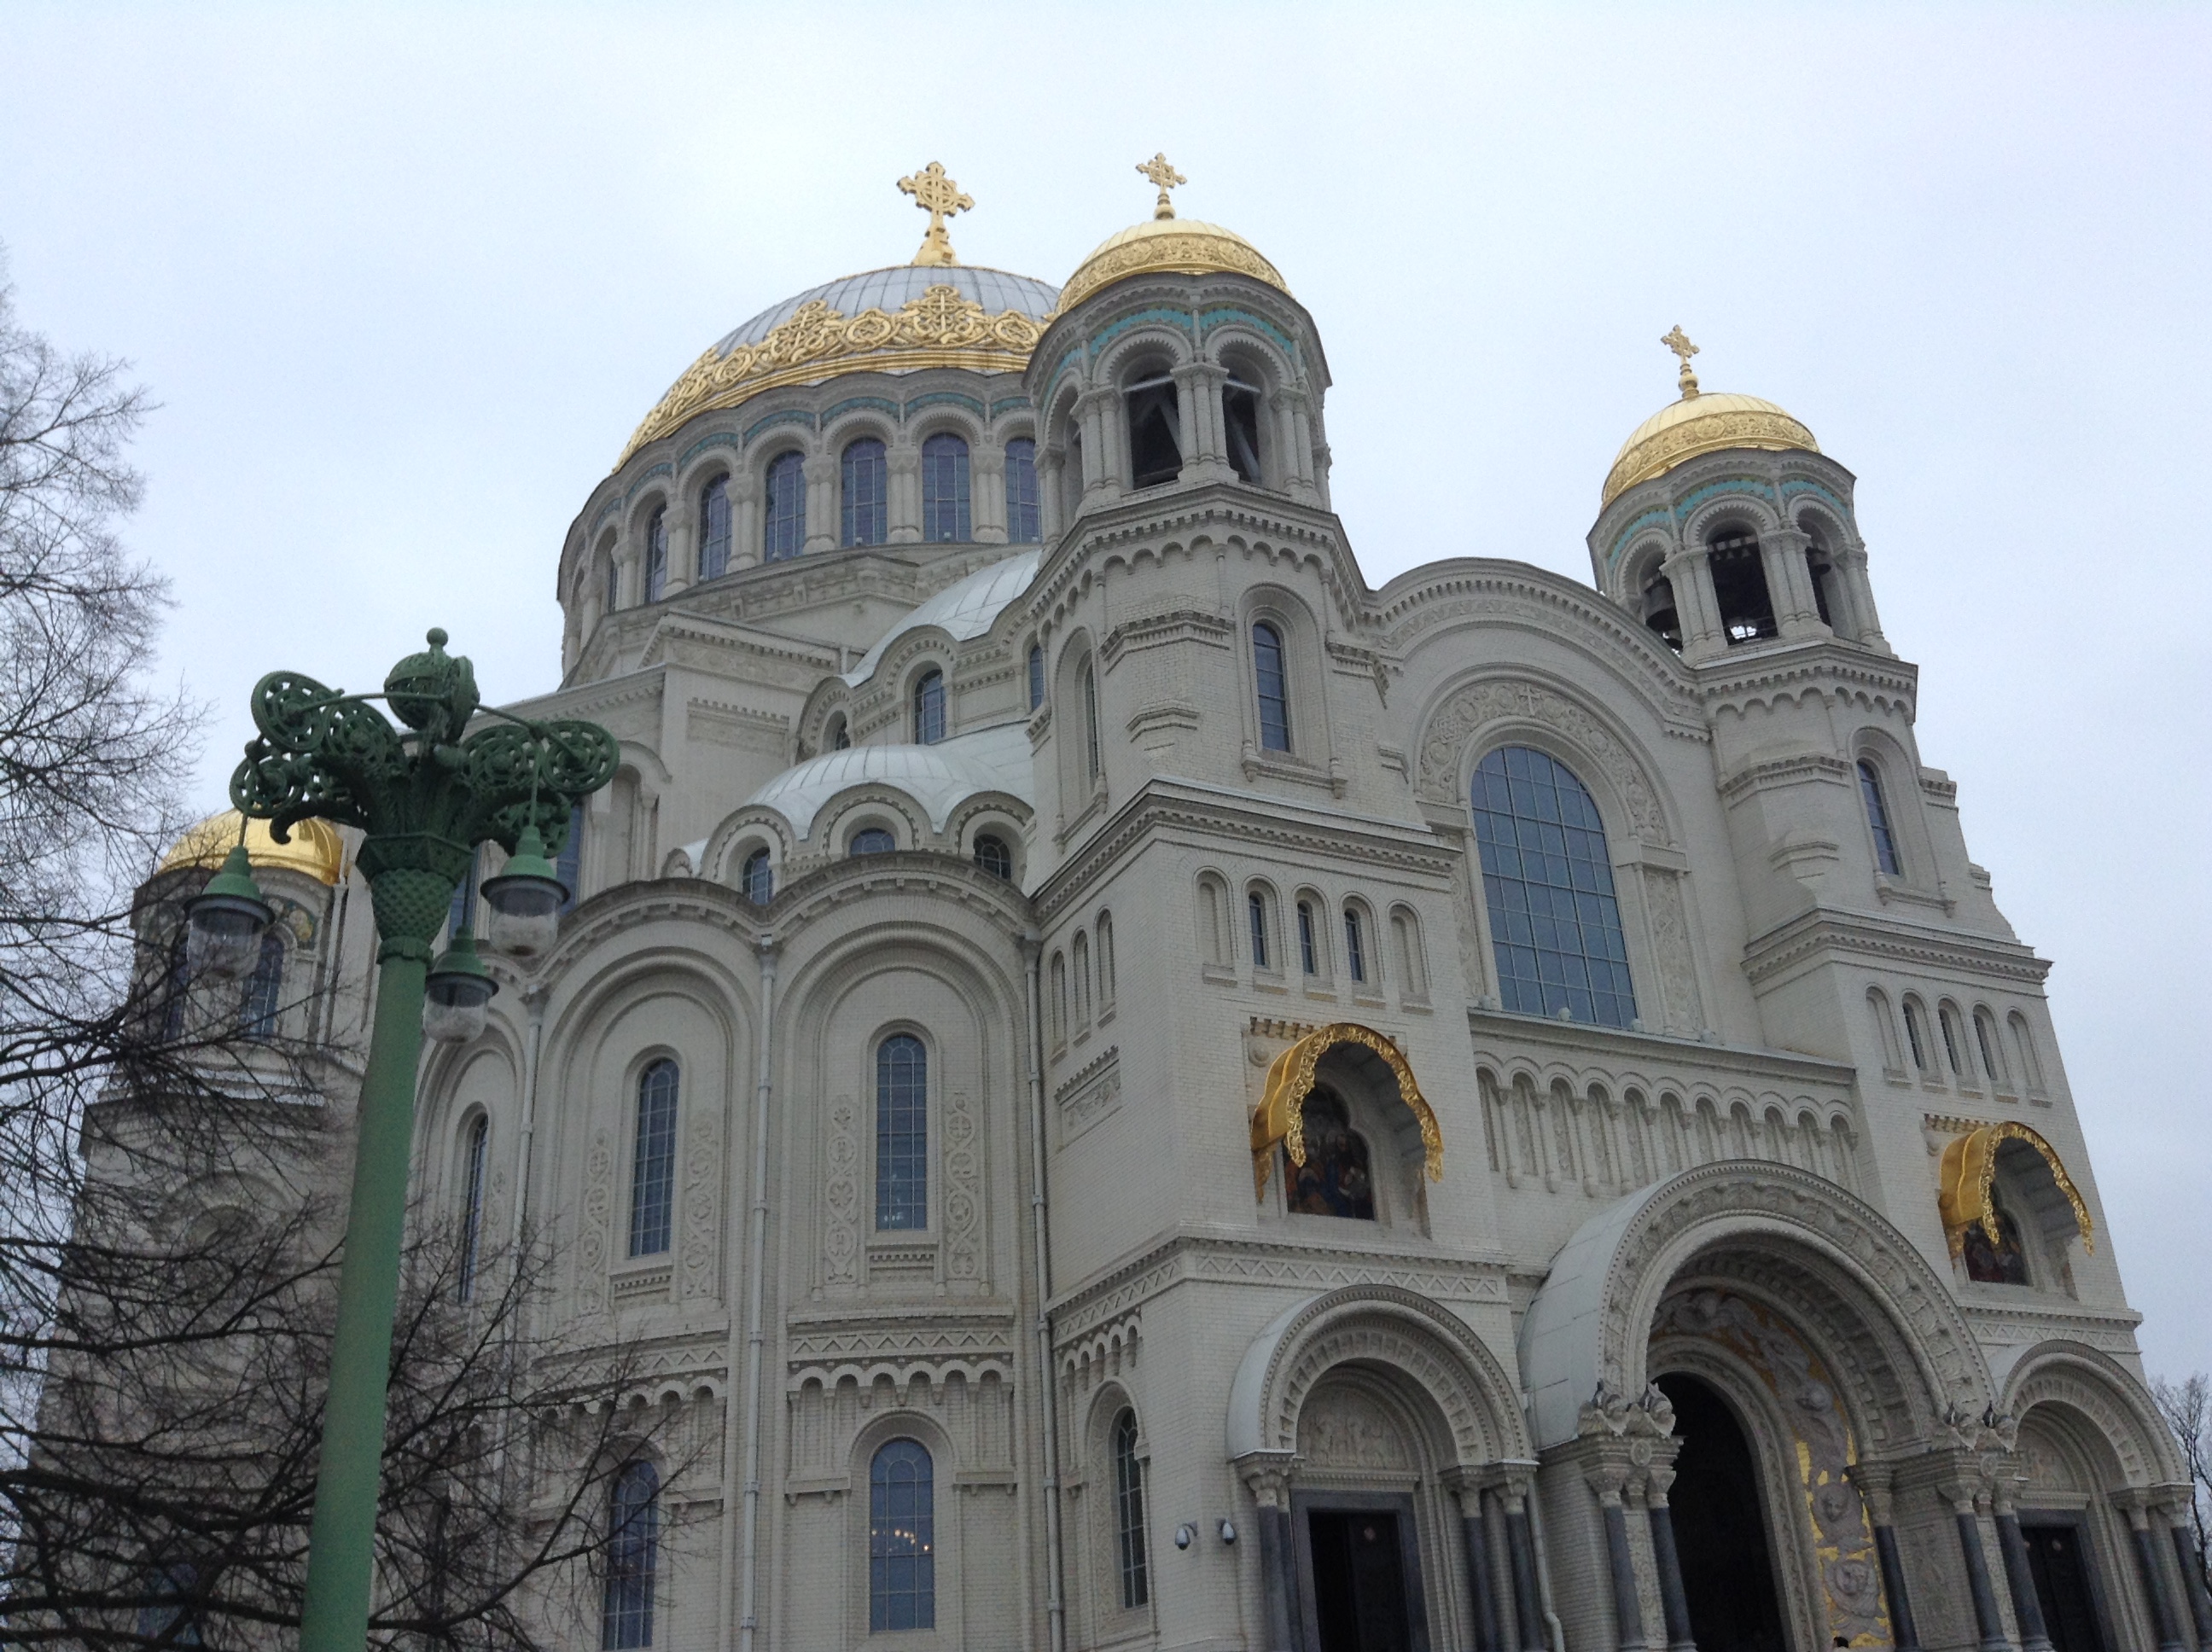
424,796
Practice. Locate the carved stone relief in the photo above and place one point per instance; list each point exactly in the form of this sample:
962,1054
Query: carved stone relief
963,1244
840,1238
1670,949
1341,1428
703,1177
1472,708
592,1241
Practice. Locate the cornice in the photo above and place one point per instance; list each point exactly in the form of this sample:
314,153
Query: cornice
1579,1042
1826,931
1824,662
1784,771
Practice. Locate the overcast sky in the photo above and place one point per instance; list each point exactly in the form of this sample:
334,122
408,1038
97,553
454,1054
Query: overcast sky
403,283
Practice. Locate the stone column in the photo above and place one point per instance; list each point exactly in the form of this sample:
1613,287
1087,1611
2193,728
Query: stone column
1293,457
1513,1488
1695,606
2027,1606
2192,1575
1606,1480
683,536
1051,465
902,493
1204,432
1481,1580
821,472
1790,582
1850,567
1267,1474
2162,1608
745,519
1105,444
986,493
1674,1600
1989,1622
1873,1480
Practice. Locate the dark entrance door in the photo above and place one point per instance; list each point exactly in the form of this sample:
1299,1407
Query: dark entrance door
1359,1580
1720,1526
2061,1571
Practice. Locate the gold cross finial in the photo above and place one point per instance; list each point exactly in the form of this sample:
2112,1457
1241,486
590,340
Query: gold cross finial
1166,178
1679,342
940,197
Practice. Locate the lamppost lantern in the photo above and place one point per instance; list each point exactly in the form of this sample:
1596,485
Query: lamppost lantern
456,991
526,900
223,923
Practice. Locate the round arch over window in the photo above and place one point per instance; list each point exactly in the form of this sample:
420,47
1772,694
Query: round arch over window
902,1133
1271,681
929,707
783,514
864,480
472,1207
1129,1512
1877,813
656,554
902,1538
871,839
993,856
652,1163
1024,522
945,518
758,879
714,528
1554,921
632,1558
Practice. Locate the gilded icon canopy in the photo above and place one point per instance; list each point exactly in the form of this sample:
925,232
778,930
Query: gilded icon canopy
1281,1113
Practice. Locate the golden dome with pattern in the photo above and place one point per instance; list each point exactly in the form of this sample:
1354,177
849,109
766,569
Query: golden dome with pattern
315,850
1167,244
1699,423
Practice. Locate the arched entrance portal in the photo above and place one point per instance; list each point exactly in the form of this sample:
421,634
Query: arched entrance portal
1720,1526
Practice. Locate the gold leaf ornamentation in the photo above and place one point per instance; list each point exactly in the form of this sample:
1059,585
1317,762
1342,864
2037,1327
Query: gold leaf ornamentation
1281,1113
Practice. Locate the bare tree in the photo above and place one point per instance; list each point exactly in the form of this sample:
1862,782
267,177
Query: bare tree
2187,1408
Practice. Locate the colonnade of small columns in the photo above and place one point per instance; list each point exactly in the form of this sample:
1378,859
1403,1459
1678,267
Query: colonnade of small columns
1783,560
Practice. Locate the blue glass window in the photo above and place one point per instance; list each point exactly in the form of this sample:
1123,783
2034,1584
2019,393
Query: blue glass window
1554,923
714,528
1023,526
865,482
945,518
1037,677
1355,945
1130,1511
656,556
568,862
1275,688
929,708
783,519
901,1132
264,989
653,1171
872,840
1885,840
759,879
632,1558
902,1538
472,1207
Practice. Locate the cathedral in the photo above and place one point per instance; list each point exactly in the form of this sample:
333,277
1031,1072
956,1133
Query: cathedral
1137,1090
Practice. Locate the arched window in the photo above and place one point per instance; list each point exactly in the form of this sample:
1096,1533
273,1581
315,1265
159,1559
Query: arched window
1273,686
993,856
1036,675
871,839
865,484
1255,918
1739,574
632,1558
1240,416
1309,948
1130,1511
1105,960
714,528
1155,433
652,1163
1916,1034
176,986
1946,1022
902,1133
841,734
1059,999
656,554
1355,945
2030,1066
472,1207
1023,526
1822,572
264,989
1660,613
1877,812
568,863
902,1538
1082,971
614,580
945,519
1985,1036
929,708
1091,752
2004,1262
1554,922
759,877
783,519
1334,1180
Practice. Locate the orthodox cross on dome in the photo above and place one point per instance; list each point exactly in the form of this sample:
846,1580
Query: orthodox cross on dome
940,197
1165,178
1679,342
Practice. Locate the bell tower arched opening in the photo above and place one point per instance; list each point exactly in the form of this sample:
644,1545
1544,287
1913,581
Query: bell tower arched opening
1740,588
1720,1524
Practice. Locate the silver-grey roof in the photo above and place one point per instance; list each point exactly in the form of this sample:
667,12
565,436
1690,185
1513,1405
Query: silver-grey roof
889,290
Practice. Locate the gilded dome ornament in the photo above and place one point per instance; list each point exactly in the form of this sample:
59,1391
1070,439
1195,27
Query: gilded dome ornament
1699,424
940,197
1164,177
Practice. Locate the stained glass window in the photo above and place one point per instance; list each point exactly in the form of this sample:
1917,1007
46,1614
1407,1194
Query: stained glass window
632,1558
864,481
1885,840
1273,686
901,1132
472,1207
1554,922
944,515
902,1538
652,1171
929,708
1130,1511
714,528
783,519
1023,526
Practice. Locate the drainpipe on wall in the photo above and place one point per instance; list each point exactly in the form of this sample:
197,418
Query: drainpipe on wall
534,996
756,1288
1055,1607
1553,1627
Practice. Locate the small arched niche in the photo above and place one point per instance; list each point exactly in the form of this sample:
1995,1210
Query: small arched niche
2010,1211
1355,1136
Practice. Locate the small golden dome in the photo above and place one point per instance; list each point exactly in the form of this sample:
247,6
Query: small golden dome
1186,247
315,849
1701,424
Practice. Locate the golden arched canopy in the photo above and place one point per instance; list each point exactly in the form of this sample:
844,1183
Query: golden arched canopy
1281,1114
1970,1169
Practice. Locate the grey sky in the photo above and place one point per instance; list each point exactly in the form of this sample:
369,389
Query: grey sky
404,281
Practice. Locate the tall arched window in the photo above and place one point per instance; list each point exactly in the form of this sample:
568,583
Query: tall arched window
1091,752
1130,1511
1036,675
783,516
929,708
1155,432
1985,1036
1355,945
1024,525
902,1133
1554,922
944,516
1273,685
632,1558
841,734
872,839
1877,813
568,863
1240,417
902,1538
652,1166
656,554
1255,917
1739,574
758,881
614,580
472,1207
1309,947
714,528
1105,960
864,481
264,989
993,856
176,988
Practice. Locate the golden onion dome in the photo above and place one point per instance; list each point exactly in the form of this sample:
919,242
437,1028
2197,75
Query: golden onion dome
1699,423
315,850
1188,246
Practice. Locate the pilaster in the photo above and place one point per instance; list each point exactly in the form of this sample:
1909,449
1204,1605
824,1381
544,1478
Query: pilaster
821,473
